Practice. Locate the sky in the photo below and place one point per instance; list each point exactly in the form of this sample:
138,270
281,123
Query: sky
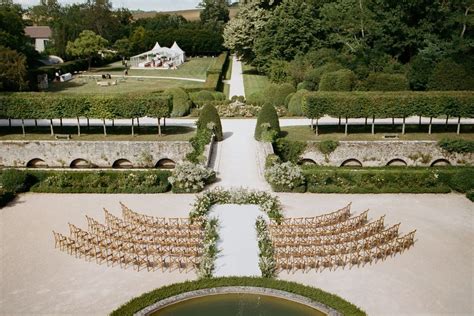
145,5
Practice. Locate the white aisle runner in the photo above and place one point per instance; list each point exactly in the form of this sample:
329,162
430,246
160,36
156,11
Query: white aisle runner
238,240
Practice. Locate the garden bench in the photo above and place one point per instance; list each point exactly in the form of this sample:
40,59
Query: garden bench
391,136
63,136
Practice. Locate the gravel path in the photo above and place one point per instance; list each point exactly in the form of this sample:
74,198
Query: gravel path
237,79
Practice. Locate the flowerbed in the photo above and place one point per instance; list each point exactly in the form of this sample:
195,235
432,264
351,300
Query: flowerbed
191,178
266,261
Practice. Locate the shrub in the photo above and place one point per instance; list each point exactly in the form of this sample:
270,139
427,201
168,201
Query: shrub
341,80
420,72
295,104
470,195
275,94
209,119
5,197
14,181
315,74
306,85
190,178
462,181
449,75
228,110
289,150
386,82
101,182
205,95
219,96
256,99
288,99
278,71
181,101
457,145
267,115
326,147
285,177
271,160
199,142
211,236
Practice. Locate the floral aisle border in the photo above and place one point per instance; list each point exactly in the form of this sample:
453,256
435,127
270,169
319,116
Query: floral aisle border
266,262
268,203
211,236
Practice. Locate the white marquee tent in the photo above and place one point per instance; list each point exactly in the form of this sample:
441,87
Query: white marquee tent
162,57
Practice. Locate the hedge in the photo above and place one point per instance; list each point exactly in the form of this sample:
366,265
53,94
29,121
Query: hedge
275,94
457,145
449,75
6,197
208,115
155,181
392,104
296,101
386,82
215,72
388,180
147,299
69,66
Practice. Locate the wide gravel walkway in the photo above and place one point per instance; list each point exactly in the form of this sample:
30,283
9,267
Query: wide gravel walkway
236,81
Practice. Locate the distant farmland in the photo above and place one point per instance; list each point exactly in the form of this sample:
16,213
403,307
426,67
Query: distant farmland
190,15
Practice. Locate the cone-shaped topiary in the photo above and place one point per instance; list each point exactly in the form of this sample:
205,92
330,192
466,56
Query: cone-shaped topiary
208,115
267,120
181,102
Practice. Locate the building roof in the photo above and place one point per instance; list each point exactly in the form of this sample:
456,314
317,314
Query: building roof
38,31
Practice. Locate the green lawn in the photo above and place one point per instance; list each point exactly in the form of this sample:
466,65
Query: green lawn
253,82
194,68
304,133
95,133
129,85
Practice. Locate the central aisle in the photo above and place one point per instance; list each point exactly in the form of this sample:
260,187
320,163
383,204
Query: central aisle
236,157
237,240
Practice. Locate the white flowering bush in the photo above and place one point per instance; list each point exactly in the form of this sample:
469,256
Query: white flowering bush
190,178
206,266
285,177
266,262
268,203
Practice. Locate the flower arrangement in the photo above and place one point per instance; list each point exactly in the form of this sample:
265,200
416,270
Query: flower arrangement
268,203
266,262
190,178
206,266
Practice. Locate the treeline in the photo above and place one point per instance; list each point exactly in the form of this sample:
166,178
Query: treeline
105,107
372,44
388,105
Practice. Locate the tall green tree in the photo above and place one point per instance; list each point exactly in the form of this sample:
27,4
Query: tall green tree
13,70
87,45
214,11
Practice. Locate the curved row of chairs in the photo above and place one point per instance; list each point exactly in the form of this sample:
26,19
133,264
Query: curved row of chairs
172,245
337,241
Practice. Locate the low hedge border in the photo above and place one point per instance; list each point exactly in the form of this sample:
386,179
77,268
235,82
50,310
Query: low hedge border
318,295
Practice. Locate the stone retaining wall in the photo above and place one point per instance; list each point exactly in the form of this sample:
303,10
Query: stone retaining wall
383,153
101,154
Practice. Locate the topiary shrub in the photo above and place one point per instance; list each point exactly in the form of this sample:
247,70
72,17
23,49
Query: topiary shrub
295,104
256,99
181,101
267,115
275,94
377,81
449,75
306,85
205,95
341,80
288,98
219,96
315,74
209,116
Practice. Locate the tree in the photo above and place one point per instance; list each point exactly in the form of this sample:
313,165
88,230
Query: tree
214,11
87,45
313,108
242,31
13,70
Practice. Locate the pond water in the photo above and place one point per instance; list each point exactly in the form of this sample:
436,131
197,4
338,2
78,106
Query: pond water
237,305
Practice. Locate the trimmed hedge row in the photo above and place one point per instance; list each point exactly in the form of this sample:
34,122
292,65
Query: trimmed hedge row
215,72
389,180
53,106
147,299
391,104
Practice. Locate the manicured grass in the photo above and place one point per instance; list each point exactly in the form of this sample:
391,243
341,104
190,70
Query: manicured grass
95,133
194,68
413,132
88,85
147,299
253,82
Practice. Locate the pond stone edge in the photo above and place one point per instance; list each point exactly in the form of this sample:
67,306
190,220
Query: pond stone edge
238,290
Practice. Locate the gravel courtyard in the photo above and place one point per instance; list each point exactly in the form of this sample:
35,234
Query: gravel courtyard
433,277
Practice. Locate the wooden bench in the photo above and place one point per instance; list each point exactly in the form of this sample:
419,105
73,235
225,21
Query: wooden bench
390,136
63,136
